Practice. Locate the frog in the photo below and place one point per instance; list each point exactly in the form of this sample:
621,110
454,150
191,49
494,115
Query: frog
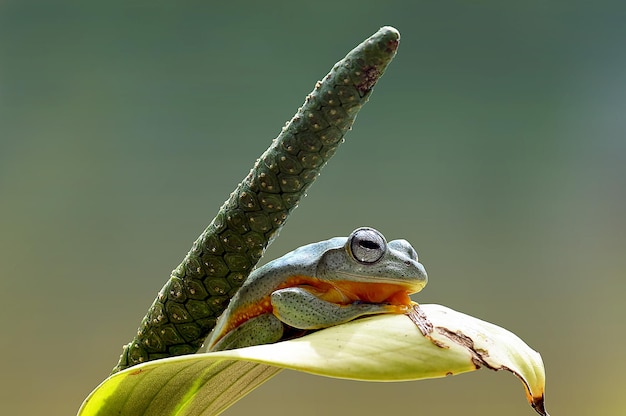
320,285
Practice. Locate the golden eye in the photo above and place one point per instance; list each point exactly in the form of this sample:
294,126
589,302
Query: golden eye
367,245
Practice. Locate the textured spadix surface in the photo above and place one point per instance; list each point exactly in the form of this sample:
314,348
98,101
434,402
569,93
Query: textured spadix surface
186,308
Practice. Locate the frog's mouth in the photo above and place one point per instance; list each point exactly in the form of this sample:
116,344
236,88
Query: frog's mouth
389,293
345,292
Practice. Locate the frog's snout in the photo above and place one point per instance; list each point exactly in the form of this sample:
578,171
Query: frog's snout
416,275
415,271
422,276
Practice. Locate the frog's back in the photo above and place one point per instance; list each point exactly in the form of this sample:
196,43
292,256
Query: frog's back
302,261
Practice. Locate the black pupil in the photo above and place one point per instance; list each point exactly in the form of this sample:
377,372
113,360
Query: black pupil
372,245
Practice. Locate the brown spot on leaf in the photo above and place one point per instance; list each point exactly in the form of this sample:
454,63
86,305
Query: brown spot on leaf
478,358
467,342
419,318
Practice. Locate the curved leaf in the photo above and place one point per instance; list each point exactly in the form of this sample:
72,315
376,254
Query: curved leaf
379,348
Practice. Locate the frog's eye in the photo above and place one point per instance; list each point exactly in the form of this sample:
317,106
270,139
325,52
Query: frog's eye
367,245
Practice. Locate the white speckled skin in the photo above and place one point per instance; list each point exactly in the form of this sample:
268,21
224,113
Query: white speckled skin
328,261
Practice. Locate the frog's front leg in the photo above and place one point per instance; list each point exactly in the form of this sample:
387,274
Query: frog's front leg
299,308
262,329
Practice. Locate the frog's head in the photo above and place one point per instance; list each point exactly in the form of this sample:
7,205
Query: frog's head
366,257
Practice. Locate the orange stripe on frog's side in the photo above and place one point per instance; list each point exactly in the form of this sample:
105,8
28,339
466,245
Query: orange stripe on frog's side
341,292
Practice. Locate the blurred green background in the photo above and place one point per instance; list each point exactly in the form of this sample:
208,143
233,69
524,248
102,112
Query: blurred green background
495,143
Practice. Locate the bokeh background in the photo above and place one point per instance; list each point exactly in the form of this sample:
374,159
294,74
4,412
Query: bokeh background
495,143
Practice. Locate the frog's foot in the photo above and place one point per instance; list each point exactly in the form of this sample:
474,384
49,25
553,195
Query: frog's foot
262,329
299,308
